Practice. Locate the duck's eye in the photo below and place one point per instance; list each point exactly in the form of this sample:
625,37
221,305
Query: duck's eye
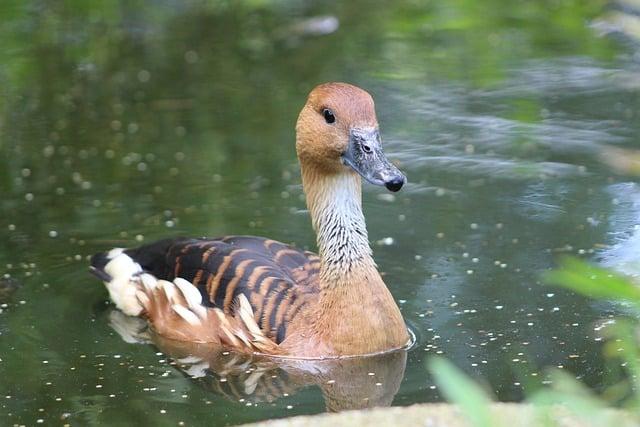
328,116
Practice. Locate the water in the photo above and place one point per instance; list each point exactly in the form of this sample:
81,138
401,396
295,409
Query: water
121,124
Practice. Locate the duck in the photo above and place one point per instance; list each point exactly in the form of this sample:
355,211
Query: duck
258,295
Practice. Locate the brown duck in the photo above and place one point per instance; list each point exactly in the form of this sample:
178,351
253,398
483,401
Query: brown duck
261,296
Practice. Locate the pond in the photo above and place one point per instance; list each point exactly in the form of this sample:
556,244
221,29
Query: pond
125,122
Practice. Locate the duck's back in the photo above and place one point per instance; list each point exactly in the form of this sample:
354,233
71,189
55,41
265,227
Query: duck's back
278,280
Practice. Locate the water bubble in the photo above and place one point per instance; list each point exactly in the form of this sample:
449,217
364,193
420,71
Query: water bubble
386,197
191,56
144,76
48,150
386,241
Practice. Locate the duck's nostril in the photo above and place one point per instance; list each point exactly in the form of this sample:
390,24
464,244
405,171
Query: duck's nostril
366,148
395,183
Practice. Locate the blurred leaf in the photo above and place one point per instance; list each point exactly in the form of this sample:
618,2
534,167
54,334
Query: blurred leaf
623,345
593,281
576,398
461,390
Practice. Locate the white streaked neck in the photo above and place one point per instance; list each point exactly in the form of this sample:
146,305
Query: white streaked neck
336,211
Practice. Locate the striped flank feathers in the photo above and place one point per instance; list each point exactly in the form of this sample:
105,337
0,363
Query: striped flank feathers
239,291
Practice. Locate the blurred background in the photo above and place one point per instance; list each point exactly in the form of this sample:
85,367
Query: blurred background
121,122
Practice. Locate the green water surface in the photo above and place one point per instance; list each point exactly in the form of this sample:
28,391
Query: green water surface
126,121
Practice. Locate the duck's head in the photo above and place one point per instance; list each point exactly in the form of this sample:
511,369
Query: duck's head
337,132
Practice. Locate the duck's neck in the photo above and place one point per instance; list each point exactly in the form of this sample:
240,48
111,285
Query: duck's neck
335,204
356,313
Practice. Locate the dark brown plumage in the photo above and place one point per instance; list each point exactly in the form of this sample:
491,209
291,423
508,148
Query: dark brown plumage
277,279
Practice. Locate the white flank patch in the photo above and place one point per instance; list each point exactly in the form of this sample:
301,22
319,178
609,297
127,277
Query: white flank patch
123,285
246,314
192,296
114,252
148,281
188,315
143,299
169,290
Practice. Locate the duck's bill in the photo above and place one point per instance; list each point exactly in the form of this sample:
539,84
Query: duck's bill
365,156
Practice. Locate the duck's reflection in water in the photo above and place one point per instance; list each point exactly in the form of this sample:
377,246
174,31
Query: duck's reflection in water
351,383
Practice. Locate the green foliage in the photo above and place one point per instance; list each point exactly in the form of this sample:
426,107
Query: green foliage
565,395
575,398
622,345
459,389
594,282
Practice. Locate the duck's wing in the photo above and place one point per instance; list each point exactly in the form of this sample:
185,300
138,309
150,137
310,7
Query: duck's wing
276,280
